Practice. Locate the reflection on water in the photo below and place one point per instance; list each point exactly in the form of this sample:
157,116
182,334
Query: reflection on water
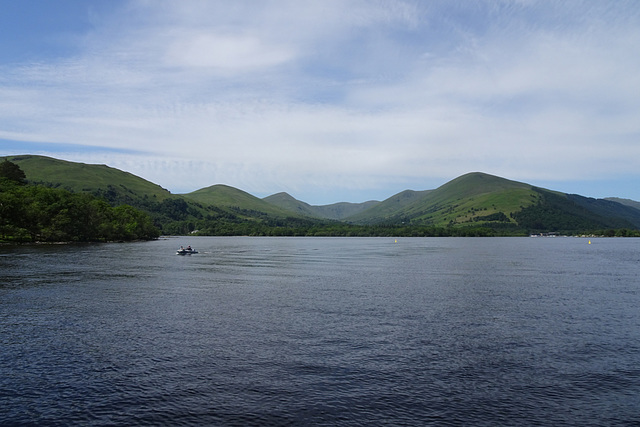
321,331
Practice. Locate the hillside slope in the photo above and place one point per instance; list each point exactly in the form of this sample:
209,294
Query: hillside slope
172,213
389,209
224,196
335,211
100,180
291,204
474,201
471,198
627,202
481,200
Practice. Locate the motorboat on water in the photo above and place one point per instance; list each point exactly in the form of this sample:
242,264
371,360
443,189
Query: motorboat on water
188,251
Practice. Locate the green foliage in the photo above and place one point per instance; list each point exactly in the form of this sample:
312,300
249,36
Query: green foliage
557,213
498,217
12,172
312,228
36,213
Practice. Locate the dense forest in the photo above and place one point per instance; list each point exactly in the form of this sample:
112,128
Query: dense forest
35,213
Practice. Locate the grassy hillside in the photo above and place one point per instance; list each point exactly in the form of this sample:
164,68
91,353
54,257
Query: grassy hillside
169,212
486,201
335,211
81,177
220,207
472,204
224,196
390,209
291,204
342,210
475,198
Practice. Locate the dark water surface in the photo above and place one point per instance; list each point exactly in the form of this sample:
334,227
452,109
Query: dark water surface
322,331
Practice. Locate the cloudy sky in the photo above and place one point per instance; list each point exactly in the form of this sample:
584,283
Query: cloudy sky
330,101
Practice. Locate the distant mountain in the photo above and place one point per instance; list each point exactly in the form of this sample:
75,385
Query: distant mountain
289,203
478,199
335,211
343,210
607,208
229,197
474,201
388,209
470,198
626,202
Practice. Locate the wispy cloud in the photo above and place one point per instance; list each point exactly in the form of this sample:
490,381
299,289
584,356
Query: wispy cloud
336,94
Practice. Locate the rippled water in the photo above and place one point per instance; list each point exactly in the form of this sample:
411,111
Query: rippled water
322,331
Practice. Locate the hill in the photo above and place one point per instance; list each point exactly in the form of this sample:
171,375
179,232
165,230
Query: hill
383,211
35,213
481,200
472,204
224,196
335,211
100,180
471,198
617,213
626,202
172,213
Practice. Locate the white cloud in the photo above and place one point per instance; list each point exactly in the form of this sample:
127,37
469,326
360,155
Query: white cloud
231,53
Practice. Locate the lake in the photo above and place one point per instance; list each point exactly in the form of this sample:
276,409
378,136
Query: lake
322,331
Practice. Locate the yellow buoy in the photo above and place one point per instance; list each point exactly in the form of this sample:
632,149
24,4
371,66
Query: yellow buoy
589,241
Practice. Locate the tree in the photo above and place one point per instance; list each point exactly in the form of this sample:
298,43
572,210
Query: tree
36,213
12,172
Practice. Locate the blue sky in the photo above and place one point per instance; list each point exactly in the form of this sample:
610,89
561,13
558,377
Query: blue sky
328,100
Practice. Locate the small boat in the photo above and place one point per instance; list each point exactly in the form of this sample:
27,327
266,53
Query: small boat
188,251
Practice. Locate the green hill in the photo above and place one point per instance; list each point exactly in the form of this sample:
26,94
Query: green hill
571,213
335,211
224,196
481,200
217,207
472,198
389,208
614,213
474,201
80,177
626,202
342,210
289,203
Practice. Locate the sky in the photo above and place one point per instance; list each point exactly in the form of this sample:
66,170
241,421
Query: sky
328,100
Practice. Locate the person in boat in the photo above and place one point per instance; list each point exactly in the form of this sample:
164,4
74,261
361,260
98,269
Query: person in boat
189,248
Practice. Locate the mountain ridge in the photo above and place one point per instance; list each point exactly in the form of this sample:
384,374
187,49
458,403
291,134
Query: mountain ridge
231,197
334,211
475,200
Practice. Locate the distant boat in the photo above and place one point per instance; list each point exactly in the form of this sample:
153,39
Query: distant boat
188,251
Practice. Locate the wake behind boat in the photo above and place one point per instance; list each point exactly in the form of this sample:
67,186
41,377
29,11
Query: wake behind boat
188,251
